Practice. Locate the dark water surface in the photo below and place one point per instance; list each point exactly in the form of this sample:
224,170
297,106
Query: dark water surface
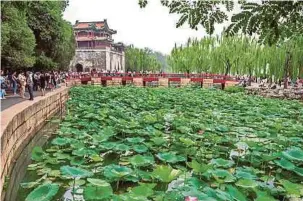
19,173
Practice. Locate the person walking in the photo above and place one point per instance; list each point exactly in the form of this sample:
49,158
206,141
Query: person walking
15,84
42,83
22,81
30,84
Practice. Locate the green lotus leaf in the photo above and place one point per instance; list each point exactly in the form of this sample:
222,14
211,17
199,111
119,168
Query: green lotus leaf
285,164
38,154
140,148
83,152
116,171
60,141
220,162
187,141
222,128
139,160
43,192
108,131
264,196
75,172
98,193
245,174
235,193
29,184
95,158
54,173
298,171
100,138
61,156
223,174
198,167
108,145
292,188
78,182
158,140
144,189
294,154
165,173
247,183
143,175
135,140
121,147
98,182
77,160
170,157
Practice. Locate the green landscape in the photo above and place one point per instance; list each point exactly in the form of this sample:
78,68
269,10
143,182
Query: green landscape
199,141
133,146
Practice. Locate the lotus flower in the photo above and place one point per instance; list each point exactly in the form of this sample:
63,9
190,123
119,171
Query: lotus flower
189,198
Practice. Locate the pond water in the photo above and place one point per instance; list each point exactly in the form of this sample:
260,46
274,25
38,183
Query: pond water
19,173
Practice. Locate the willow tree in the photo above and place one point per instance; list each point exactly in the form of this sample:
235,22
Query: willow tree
238,55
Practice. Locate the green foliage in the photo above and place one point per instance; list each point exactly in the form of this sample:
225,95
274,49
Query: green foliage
142,60
238,55
147,144
234,89
17,39
43,192
34,34
273,20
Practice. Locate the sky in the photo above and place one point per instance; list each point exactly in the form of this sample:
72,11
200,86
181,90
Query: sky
151,27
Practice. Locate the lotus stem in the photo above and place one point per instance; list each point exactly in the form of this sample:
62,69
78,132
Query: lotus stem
74,184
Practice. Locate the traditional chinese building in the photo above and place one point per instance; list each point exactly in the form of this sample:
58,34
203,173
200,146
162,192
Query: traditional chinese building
96,49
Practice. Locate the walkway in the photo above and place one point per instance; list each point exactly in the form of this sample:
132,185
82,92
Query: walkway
13,100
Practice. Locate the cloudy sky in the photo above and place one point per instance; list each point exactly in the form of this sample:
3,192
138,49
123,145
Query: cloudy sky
151,27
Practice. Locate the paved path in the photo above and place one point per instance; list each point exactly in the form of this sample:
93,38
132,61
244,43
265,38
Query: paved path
12,100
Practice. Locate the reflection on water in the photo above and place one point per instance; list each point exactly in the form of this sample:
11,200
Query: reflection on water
19,169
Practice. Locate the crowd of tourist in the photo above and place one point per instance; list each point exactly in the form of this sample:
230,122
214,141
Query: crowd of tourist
20,82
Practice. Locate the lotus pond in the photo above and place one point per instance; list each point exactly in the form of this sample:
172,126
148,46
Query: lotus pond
165,144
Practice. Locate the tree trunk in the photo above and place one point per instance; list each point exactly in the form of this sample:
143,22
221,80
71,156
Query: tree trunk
286,68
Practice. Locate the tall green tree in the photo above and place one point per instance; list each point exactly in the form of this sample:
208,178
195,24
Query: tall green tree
34,34
17,39
137,59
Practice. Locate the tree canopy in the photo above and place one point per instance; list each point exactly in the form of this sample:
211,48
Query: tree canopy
238,55
34,34
137,59
273,21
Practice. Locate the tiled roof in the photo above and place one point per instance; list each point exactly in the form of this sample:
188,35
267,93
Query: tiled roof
85,25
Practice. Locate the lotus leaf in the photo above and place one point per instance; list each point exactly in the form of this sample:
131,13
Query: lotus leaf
285,164
223,174
198,167
144,189
165,173
220,162
98,182
139,160
170,157
75,172
292,188
98,193
122,147
78,182
140,148
263,196
135,140
37,154
116,171
294,154
235,193
247,183
60,141
43,192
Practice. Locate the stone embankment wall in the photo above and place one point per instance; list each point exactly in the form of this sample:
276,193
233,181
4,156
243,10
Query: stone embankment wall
294,94
20,123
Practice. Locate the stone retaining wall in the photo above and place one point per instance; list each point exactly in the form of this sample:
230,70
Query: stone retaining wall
20,122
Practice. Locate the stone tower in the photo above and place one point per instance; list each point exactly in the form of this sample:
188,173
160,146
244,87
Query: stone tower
96,49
